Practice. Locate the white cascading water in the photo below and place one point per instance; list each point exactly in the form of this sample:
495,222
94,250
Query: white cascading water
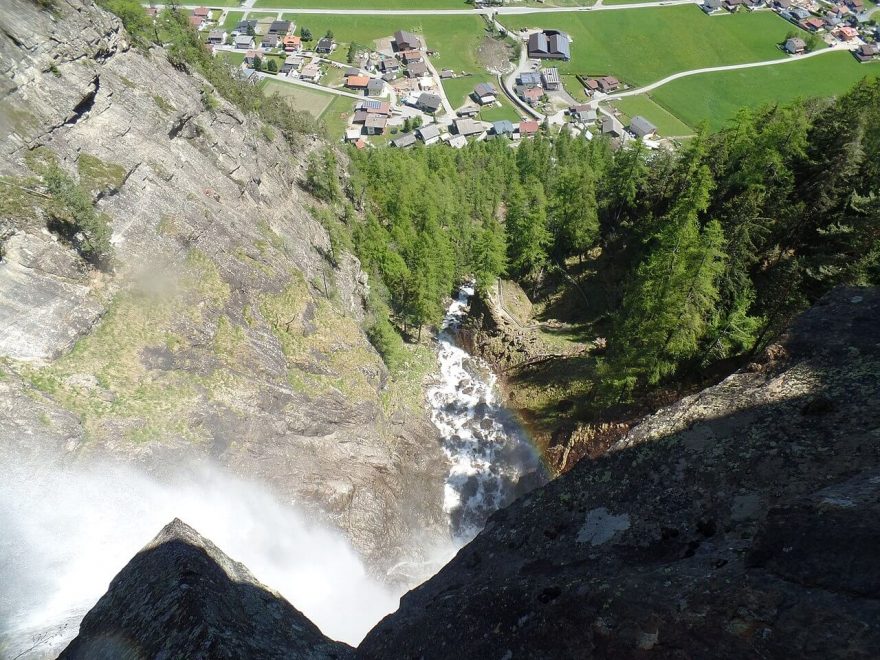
492,459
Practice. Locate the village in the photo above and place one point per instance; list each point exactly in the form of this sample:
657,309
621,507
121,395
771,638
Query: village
397,95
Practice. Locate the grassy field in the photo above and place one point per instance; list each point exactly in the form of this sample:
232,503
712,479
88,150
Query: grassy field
233,18
365,4
458,89
335,115
667,124
644,45
300,98
716,97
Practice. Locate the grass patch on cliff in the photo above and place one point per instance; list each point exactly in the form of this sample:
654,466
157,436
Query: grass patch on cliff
96,175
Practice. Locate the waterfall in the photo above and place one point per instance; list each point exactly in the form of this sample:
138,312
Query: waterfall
492,459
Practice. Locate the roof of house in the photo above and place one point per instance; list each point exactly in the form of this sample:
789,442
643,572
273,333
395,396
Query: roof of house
468,127
406,40
428,100
271,39
412,55
484,89
375,83
814,22
311,70
201,11
641,126
360,116
533,93
279,27
325,44
530,78
417,69
217,34
375,106
528,127
550,76
243,39
376,121
502,126
458,141
389,63
358,82
549,42
429,132
612,125
795,43
405,140
196,21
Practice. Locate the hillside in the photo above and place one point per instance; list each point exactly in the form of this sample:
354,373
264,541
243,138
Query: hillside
740,522
194,314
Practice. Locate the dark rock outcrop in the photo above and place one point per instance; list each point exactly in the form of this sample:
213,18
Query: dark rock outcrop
739,522
181,597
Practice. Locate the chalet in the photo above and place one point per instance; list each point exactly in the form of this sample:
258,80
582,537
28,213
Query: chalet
291,63
311,73
551,79
411,56
812,24
360,116
244,42
484,93
417,70
216,37
583,113
324,46
591,86
391,76
269,41
375,87
612,126
291,43
641,127
457,141
732,5
468,127
549,45
445,74
468,111
351,71
404,141
245,27
847,33
530,79
404,41
375,125
374,107
710,6
867,52
531,95
198,22
429,134
279,28
528,128
607,84
389,65
428,102
502,127
204,12
252,56
794,46
357,82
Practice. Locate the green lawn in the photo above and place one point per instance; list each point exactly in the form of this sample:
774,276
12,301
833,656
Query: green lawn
336,114
716,97
667,124
232,57
640,46
365,4
233,18
300,98
458,90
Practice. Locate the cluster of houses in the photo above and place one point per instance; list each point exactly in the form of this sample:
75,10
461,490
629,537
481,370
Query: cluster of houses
842,20
463,129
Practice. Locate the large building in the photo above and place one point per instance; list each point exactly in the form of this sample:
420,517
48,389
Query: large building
550,45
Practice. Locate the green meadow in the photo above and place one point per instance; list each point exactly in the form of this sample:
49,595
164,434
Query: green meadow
641,46
716,97
667,124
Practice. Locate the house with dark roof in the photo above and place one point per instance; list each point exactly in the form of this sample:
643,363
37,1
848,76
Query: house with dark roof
269,41
468,127
867,52
279,28
291,63
484,93
607,84
529,79
583,113
612,126
641,127
549,45
375,87
244,27
404,40
375,124
429,102
216,37
325,45
389,65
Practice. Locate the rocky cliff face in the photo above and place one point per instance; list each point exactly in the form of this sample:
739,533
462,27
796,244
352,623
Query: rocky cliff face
222,333
741,522
181,597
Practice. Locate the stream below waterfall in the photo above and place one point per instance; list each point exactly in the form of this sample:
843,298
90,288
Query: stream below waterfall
493,461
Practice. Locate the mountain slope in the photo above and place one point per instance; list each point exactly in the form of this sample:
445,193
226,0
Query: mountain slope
221,332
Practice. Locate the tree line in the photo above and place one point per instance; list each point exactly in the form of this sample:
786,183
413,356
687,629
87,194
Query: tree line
706,253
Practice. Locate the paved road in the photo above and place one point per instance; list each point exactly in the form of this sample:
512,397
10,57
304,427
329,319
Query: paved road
729,67
502,11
